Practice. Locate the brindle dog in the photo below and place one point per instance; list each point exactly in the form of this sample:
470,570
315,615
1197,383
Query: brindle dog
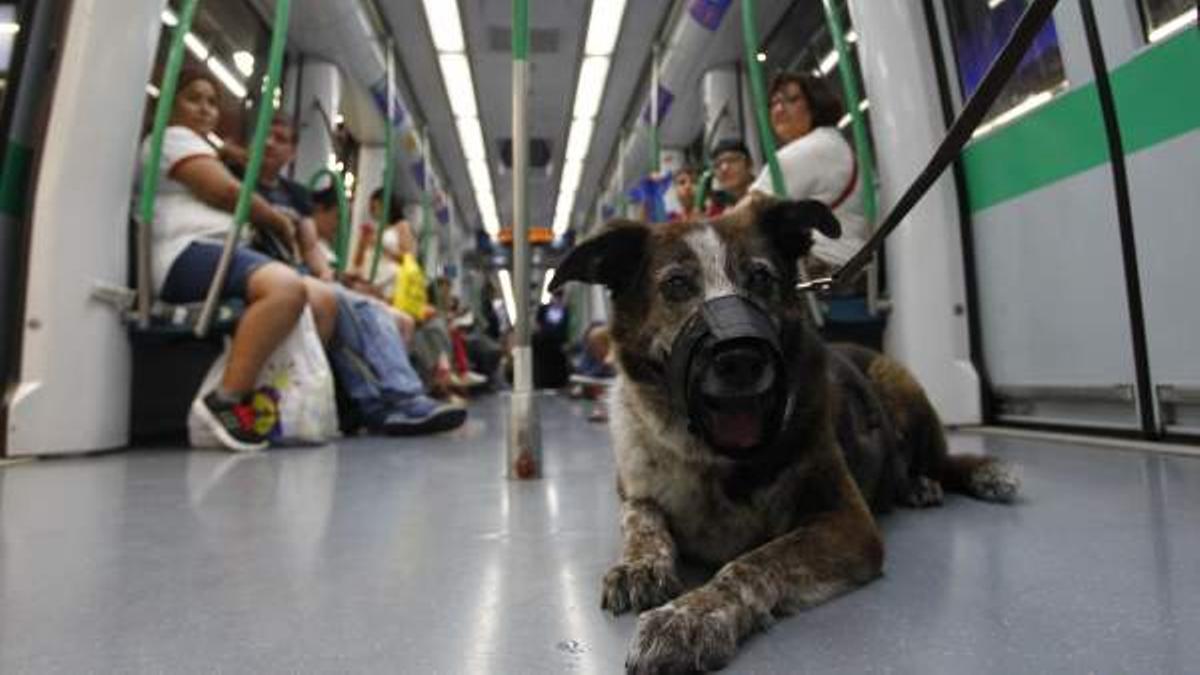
777,486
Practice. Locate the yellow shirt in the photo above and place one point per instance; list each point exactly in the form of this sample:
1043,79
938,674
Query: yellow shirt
409,294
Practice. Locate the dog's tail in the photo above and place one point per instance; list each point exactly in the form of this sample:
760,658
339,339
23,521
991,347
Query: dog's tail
982,477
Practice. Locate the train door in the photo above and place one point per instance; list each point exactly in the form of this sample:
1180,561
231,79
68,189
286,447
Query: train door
29,32
1081,324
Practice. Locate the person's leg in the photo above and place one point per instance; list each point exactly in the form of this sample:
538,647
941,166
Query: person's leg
275,299
323,300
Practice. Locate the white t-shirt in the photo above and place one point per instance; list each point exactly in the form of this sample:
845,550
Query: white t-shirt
179,216
820,166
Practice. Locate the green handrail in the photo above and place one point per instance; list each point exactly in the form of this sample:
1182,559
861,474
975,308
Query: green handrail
341,240
162,116
759,91
766,135
266,111
702,188
852,93
389,163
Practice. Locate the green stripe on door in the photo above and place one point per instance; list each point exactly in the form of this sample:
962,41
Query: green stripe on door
14,178
1157,100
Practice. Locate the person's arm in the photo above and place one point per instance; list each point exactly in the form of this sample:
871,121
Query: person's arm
233,154
311,252
212,184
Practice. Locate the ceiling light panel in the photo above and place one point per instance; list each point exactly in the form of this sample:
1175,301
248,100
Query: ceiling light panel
445,26
589,89
604,26
579,139
456,74
470,135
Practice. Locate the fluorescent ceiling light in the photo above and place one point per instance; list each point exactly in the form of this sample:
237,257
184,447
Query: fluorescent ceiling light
761,56
993,4
1029,104
456,73
546,285
152,90
571,172
827,63
864,104
851,35
1173,26
844,122
169,18
227,78
590,88
480,174
470,135
579,139
196,47
244,62
510,303
445,26
604,26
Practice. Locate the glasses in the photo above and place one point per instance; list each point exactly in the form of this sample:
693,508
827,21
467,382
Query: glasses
780,99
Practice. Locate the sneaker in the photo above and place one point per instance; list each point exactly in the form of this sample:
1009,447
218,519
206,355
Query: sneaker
231,423
423,415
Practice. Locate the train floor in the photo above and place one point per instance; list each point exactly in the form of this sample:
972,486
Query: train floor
417,556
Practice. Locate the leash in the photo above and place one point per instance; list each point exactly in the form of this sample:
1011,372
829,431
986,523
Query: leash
968,121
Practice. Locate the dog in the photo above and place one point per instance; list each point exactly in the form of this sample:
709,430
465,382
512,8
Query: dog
741,439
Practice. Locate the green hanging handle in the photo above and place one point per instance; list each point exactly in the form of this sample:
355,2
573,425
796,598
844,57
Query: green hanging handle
162,116
851,93
389,165
266,110
342,238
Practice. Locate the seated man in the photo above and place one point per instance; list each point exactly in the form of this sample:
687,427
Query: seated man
367,349
734,171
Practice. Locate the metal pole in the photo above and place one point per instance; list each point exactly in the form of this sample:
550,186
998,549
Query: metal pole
389,162
241,214
162,116
655,145
524,436
766,136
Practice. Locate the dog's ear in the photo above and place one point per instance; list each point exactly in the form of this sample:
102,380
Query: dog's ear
789,224
610,258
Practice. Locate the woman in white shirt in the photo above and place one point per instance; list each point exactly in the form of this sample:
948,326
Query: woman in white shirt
817,162
193,212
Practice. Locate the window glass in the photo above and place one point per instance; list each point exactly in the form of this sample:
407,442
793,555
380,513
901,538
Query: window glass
1163,18
980,29
9,29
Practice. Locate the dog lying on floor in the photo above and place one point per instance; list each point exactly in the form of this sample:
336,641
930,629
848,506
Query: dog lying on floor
742,440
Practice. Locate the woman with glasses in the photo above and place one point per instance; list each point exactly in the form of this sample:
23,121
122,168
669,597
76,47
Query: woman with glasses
817,163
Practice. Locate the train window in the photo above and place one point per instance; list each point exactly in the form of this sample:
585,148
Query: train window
980,29
230,40
9,28
1164,18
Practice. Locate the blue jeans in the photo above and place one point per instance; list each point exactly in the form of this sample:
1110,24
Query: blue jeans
369,358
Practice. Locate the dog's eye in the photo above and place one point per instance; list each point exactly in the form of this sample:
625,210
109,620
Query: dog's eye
761,280
677,287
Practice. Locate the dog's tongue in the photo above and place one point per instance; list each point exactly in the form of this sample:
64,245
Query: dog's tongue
737,430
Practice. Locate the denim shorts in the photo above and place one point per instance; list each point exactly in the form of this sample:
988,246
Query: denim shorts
193,270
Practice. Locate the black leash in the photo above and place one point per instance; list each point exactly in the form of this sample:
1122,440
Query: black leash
993,83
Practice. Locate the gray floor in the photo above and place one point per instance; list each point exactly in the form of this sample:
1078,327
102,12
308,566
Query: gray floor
416,556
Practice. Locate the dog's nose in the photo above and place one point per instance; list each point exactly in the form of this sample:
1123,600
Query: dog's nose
739,367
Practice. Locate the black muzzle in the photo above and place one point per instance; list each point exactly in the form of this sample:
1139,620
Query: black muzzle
726,376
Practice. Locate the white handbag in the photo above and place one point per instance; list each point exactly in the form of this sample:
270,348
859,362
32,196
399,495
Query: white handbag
293,396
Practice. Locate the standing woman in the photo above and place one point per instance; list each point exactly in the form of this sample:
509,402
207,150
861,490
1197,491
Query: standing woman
817,163
192,214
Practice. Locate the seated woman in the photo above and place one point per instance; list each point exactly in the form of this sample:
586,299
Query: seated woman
192,215
817,163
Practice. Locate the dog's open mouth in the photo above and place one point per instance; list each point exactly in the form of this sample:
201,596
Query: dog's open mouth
739,421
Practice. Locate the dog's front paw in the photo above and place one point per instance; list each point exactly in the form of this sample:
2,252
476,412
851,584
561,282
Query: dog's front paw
638,586
679,639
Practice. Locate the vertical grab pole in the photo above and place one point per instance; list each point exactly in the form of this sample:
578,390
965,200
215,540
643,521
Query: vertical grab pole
852,94
341,239
241,214
162,115
765,135
389,162
524,459
655,142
